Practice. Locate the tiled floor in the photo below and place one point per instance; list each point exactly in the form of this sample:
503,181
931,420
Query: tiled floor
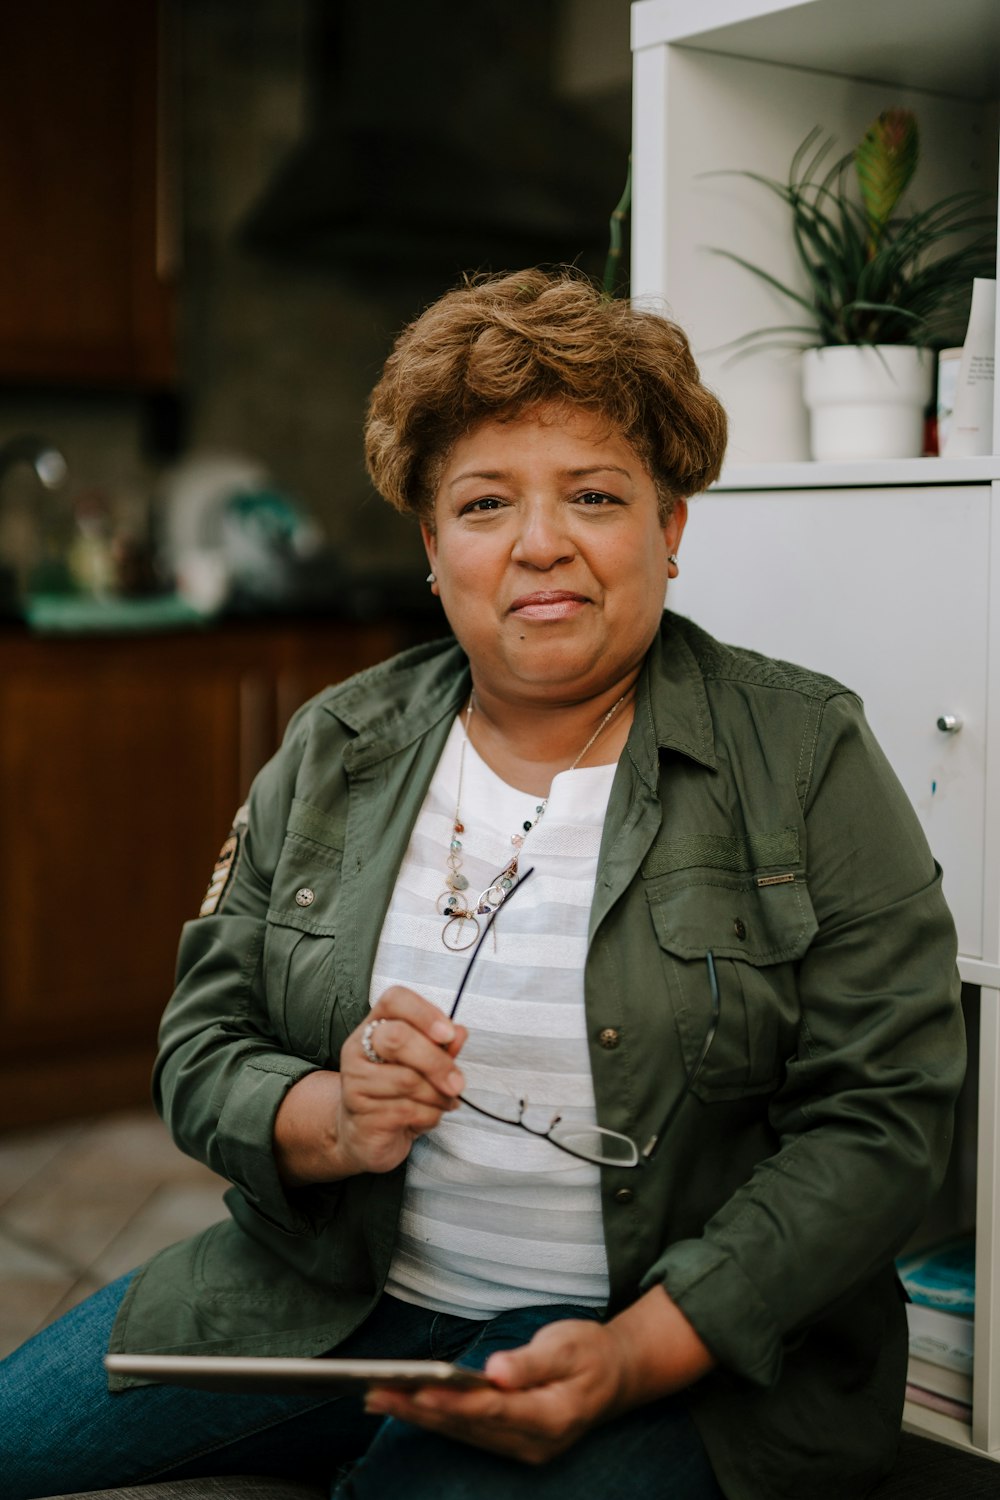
82,1202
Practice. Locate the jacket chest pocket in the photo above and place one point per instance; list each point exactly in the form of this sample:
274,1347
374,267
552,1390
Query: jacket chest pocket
756,928
300,942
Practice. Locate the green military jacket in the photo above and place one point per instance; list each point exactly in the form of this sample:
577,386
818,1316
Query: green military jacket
751,814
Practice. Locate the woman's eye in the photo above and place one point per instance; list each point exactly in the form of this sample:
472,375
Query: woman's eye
595,498
483,504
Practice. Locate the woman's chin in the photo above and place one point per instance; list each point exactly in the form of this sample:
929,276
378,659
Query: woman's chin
545,661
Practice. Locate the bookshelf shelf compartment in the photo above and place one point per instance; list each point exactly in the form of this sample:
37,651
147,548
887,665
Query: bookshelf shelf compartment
757,78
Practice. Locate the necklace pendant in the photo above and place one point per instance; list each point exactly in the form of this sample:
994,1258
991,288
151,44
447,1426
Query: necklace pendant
458,882
460,932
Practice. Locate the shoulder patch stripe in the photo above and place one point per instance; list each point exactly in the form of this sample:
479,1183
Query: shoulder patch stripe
225,867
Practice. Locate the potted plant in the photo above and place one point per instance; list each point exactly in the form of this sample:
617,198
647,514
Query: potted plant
881,289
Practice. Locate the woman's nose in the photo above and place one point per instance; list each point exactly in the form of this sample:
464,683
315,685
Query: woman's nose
542,537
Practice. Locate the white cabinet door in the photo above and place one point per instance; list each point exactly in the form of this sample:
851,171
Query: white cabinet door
886,590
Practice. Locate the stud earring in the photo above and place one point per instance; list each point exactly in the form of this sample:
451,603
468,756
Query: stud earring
672,564
432,577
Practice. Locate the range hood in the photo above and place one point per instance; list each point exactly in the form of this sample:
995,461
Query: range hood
436,145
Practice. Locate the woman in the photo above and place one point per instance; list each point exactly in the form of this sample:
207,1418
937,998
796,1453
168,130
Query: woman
701,1088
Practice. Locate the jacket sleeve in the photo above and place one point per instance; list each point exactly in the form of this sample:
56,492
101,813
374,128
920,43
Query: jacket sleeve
221,1073
863,1118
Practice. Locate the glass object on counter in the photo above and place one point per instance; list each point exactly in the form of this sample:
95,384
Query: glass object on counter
90,556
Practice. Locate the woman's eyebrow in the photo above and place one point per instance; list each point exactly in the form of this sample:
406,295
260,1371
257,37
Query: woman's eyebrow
477,474
566,473
597,469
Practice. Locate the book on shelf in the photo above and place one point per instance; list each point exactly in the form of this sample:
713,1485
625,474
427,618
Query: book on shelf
933,1402
941,1337
942,1275
941,1283
939,1379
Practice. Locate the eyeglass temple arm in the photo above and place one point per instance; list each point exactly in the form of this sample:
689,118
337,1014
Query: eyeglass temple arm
649,1150
482,938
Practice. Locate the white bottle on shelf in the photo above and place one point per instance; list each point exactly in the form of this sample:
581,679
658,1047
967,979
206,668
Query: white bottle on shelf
970,431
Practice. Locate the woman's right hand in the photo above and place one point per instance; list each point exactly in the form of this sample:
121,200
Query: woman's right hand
366,1117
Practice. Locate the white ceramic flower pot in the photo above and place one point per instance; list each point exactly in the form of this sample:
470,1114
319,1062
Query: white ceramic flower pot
867,401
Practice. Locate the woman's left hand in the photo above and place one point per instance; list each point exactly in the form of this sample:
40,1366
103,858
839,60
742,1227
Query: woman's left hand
571,1376
545,1396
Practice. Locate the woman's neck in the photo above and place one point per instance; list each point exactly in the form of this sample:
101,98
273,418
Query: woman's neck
528,744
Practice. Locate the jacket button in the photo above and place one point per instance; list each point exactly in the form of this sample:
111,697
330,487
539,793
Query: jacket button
624,1195
609,1037
740,928
305,897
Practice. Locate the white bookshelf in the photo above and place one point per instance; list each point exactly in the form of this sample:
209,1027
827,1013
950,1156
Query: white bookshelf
871,472
884,574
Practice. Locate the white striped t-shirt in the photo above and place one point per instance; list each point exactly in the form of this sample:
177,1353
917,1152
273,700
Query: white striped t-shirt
493,1218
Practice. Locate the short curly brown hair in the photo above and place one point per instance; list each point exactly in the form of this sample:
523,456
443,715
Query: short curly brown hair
497,346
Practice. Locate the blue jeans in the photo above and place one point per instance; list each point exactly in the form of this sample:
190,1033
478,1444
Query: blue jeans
60,1429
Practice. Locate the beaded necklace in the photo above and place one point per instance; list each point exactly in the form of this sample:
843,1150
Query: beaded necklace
461,929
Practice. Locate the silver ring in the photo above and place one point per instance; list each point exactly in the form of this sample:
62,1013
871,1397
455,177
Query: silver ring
366,1042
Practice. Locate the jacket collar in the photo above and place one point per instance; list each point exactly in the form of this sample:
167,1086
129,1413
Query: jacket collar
391,706
672,710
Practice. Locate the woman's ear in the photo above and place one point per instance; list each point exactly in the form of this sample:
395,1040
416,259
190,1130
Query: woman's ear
429,536
673,527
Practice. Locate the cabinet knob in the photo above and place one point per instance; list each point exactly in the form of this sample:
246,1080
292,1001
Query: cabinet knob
949,723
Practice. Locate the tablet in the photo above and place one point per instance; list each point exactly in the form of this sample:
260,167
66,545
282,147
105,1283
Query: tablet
235,1373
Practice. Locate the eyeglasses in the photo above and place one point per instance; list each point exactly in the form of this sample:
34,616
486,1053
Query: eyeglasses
593,1143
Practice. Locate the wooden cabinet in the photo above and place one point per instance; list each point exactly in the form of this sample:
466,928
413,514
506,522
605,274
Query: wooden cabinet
88,234
884,574
121,765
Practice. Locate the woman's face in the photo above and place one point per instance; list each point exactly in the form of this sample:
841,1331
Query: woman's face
550,554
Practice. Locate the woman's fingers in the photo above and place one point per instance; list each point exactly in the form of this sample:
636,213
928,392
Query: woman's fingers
371,1090
405,1117
532,1427
549,1392
403,1004
365,1116
398,1078
399,1050
406,1031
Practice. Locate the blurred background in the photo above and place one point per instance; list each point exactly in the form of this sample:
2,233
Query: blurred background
214,218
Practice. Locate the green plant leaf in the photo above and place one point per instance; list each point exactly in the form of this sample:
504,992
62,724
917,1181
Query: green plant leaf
786,291
886,159
619,214
871,275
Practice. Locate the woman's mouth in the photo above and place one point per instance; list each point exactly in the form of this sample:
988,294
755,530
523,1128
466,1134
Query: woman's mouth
549,604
